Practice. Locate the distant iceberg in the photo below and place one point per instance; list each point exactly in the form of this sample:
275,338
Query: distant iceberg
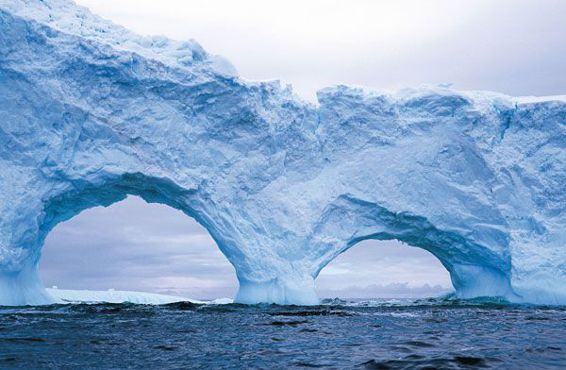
90,112
118,296
113,296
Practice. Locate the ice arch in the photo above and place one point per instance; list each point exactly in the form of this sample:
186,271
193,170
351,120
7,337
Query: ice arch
66,205
90,112
474,270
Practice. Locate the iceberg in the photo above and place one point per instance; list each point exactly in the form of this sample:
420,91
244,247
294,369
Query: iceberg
90,113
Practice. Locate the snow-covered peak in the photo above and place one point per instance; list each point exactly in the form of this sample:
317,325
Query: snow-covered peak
65,16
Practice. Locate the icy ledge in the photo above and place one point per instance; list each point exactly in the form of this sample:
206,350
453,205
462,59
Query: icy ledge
90,113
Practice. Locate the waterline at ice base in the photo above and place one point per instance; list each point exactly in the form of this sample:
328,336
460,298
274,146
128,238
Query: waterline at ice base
91,113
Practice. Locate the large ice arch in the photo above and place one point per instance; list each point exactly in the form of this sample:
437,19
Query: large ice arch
90,112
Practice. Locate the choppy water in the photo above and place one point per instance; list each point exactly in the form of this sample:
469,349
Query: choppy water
377,334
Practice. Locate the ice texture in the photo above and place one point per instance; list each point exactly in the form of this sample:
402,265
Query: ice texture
90,112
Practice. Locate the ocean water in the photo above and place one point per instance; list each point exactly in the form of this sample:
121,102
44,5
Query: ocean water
359,334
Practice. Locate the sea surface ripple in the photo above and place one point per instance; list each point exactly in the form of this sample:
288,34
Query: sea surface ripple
360,334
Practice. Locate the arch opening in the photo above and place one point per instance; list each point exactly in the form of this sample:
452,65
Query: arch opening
135,246
383,269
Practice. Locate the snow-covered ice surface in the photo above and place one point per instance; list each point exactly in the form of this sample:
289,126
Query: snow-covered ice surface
90,112
119,296
113,296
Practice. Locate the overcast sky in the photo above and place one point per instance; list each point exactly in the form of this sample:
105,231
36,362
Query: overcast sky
512,46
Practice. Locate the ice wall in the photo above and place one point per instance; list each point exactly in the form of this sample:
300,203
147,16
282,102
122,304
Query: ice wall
90,113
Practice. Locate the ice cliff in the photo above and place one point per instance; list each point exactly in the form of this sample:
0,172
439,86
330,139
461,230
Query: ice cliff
90,112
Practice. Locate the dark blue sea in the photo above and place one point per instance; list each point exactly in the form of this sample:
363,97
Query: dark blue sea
372,334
